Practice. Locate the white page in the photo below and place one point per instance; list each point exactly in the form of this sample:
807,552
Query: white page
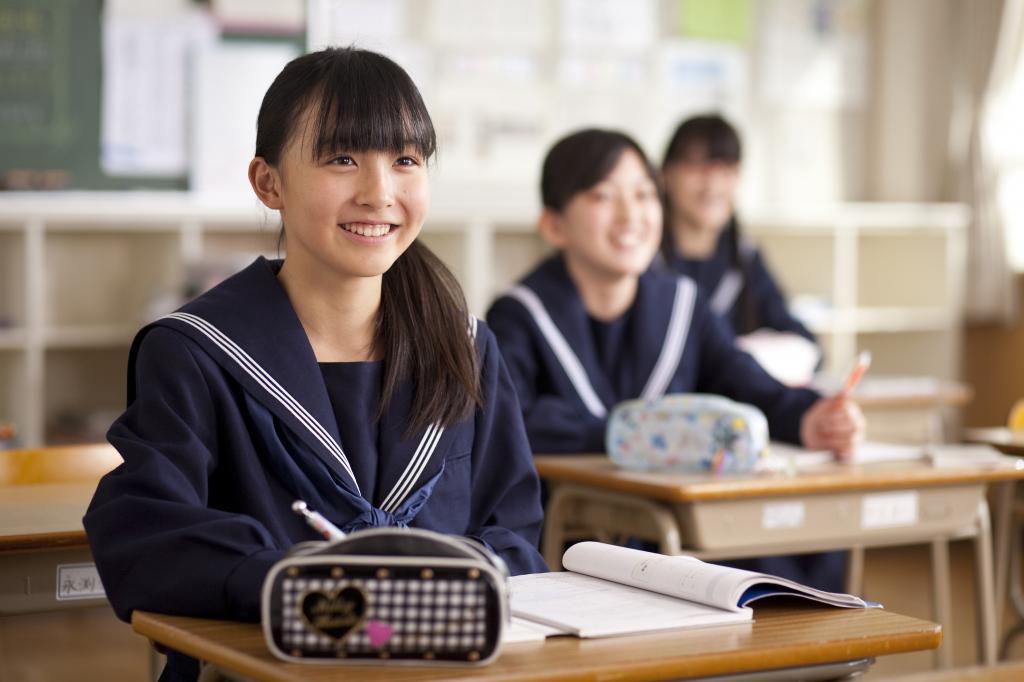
866,453
590,607
686,577
522,630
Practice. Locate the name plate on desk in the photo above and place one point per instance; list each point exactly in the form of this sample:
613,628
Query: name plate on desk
889,510
779,515
79,581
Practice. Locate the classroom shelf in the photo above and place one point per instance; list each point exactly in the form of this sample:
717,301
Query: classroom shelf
82,272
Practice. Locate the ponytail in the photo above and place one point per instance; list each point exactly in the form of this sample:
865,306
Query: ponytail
423,333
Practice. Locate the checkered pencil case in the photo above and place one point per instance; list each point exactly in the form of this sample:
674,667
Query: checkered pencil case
387,595
687,433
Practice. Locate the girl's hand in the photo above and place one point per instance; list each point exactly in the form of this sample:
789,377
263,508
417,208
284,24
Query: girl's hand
835,424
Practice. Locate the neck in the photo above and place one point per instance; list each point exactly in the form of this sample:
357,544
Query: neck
693,240
605,296
338,314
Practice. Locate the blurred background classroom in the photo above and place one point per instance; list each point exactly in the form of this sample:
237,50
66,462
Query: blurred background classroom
883,178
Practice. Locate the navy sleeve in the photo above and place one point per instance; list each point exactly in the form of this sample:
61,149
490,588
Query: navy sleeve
555,421
772,310
505,504
157,544
729,371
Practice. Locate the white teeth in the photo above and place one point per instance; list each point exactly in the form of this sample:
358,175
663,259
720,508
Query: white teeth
367,230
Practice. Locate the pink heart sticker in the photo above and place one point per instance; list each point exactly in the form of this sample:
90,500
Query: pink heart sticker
379,633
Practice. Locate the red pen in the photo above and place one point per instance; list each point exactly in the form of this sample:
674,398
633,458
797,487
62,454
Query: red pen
856,373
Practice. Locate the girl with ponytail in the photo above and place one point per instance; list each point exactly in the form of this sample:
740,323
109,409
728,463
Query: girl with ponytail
348,375
703,239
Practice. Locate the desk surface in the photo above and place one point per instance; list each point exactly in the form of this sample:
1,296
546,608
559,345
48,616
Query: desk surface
1001,438
779,638
46,515
598,471
911,393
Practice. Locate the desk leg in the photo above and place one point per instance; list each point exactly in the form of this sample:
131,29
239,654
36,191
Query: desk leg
941,600
855,571
1003,549
555,518
987,638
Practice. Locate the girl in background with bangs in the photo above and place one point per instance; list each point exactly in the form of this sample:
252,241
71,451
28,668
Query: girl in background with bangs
595,325
703,240
349,375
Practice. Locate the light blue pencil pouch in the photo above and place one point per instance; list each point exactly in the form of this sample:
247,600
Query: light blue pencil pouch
687,433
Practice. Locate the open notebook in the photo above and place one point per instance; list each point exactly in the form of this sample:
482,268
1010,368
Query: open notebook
609,590
782,457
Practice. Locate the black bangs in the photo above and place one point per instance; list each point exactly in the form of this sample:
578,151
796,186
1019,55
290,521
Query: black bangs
367,102
704,138
358,100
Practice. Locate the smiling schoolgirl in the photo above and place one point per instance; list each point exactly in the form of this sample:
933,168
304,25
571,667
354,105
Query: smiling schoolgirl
594,325
350,375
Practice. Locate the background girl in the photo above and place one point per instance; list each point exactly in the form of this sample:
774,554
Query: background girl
703,240
594,325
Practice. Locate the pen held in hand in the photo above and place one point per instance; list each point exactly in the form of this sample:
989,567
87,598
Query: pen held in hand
860,367
318,522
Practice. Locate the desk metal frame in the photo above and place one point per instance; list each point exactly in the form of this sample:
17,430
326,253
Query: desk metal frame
588,509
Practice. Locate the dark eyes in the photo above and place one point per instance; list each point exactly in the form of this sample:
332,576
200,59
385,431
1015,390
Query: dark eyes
346,160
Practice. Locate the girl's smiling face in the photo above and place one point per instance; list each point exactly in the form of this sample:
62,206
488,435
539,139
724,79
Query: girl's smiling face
612,229
354,212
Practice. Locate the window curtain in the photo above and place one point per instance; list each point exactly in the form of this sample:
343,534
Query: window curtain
989,36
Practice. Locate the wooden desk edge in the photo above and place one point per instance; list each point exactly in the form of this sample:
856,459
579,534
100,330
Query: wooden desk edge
551,469
929,636
41,541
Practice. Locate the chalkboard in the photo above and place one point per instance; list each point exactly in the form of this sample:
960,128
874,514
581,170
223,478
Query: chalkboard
50,93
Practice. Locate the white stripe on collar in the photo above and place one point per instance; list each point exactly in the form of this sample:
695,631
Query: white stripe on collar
417,463
675,340
268,383
726,292
560,347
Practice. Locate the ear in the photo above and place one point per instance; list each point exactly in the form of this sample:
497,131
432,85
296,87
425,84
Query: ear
266,182
550,225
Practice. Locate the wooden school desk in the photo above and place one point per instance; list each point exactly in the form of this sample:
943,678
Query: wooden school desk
910,409
780,638
45,563
835,507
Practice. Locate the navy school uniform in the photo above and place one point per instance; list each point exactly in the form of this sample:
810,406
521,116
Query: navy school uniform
721,282
571,370
230,419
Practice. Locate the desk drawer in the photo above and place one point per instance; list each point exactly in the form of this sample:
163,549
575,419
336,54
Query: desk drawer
848,518
28,580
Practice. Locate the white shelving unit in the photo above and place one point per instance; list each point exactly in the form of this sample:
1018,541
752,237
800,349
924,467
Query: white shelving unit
81,272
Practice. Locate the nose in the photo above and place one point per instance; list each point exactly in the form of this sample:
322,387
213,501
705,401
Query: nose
375,188
628,209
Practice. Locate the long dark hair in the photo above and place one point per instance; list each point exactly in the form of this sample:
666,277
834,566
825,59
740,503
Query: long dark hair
711,138
582,159
363,101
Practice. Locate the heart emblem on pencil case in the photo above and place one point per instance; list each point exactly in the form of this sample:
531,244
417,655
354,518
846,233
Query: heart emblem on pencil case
336,614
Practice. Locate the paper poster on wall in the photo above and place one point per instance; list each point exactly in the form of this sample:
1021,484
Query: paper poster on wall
724,20
145,83
604,24
704,75
371,24
230,81
491,24
813,53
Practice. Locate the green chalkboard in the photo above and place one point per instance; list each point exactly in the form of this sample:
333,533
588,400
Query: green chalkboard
50,94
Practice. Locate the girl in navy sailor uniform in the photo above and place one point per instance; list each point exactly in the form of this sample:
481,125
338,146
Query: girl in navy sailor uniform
595,324
349,375
703,240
